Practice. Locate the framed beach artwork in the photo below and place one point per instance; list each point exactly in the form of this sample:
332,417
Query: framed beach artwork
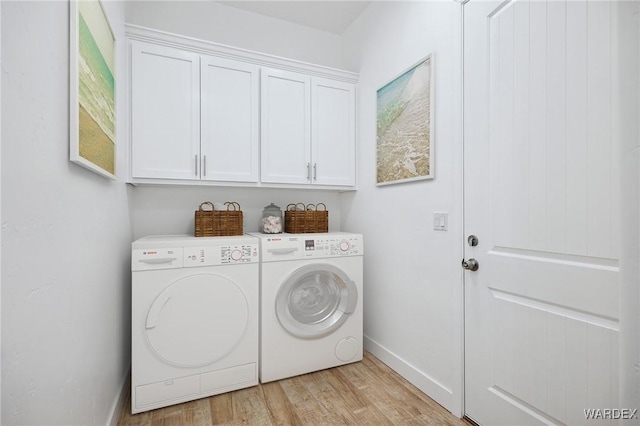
404,135
92,88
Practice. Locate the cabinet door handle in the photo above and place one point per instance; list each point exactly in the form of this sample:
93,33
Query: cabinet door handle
196,164
204,165
315,171
309,171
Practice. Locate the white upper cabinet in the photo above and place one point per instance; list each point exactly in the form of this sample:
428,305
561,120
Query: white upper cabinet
230,121
308,130
333,137
286,127
193,117
165,111
208,114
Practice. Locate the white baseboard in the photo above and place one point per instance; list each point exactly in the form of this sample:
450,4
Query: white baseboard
436,391
118,403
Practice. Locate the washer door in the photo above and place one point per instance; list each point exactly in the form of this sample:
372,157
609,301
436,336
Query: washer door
197,320
315,300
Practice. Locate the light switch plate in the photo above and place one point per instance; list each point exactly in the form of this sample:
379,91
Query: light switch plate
440,221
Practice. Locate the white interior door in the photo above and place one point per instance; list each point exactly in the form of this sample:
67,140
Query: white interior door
542,196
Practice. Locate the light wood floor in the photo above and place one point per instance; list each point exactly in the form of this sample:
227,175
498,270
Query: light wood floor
363,393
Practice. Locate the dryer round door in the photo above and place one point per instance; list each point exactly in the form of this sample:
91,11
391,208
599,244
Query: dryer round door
315,300
197,320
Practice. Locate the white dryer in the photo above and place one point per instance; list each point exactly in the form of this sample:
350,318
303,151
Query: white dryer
194,318
311,303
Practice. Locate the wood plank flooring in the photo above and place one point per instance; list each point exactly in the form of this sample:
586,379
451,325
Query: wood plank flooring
363,393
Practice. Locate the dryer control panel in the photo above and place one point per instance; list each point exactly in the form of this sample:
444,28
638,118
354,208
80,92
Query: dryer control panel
186,251
220,255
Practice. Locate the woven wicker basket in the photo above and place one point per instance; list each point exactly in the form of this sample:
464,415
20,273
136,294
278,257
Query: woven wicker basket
301,219
218,223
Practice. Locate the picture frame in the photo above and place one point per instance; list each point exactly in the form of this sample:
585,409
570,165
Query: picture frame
404,126
92,107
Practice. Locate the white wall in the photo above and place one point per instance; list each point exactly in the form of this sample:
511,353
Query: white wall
0,211
170,210
66,237
412,273
208,20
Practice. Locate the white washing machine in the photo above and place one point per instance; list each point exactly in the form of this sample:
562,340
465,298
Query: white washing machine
194,318
311,302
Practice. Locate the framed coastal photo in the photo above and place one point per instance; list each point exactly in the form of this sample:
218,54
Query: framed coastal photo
92,139
404,134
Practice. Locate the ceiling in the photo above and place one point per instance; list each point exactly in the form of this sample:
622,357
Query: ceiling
329,16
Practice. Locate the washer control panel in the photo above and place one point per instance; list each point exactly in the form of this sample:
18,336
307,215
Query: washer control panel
333,245
221,255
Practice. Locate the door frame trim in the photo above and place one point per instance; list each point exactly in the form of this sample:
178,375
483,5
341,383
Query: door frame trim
626,108
457,389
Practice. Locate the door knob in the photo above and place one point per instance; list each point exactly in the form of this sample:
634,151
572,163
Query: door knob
470,265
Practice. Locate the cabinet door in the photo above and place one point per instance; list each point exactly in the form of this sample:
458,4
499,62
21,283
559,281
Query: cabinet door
165,112
230,121
285,127
333,143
